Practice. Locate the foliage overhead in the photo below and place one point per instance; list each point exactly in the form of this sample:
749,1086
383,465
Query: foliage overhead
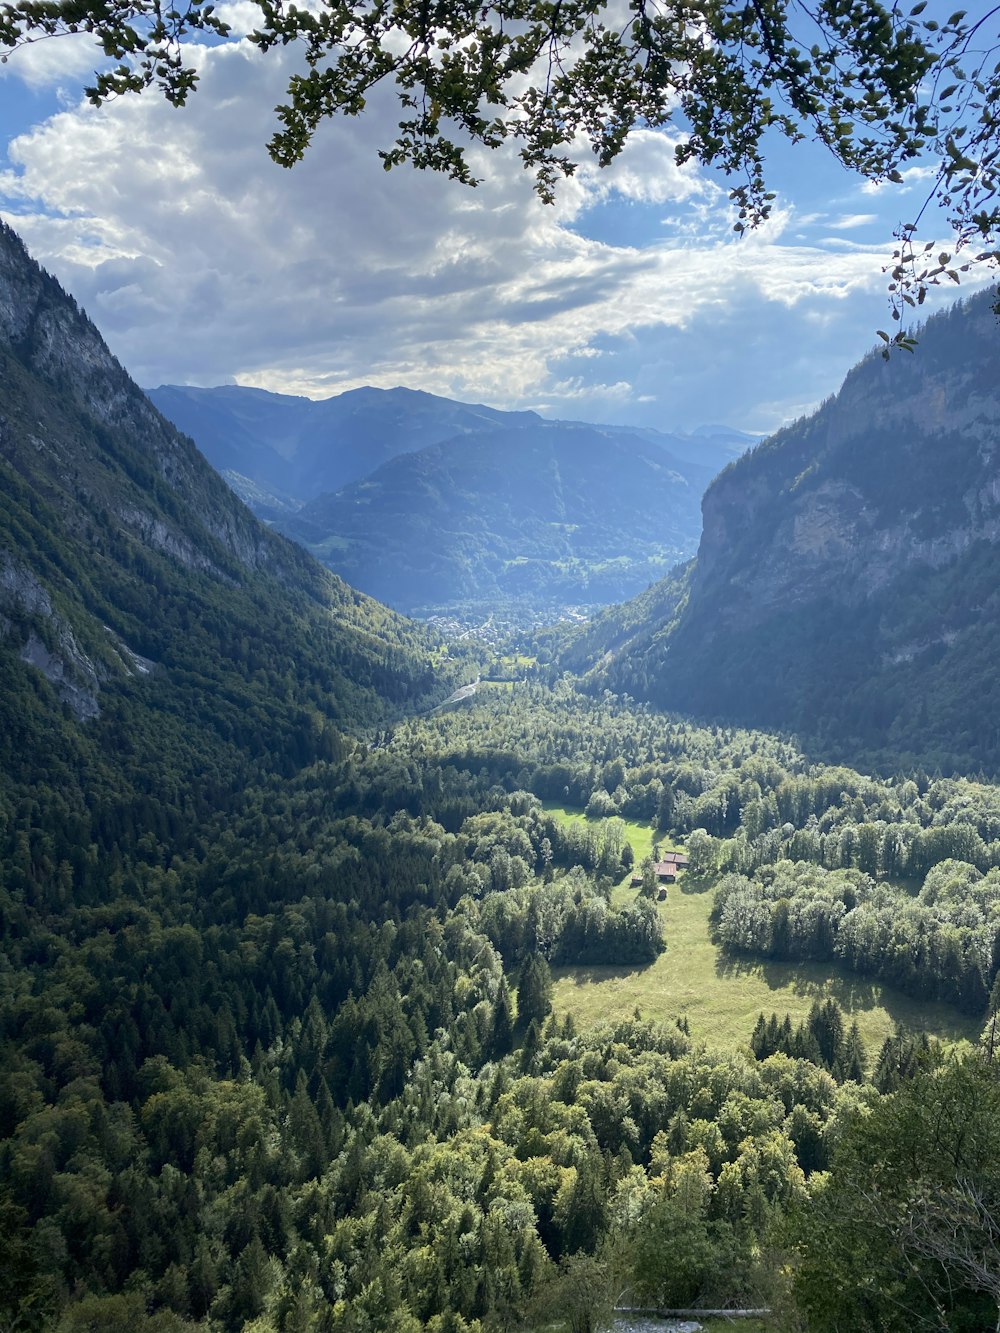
877,85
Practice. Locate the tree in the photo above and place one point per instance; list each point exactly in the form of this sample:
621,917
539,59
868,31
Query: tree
534,991
503,1022
878,87
903,1233
582,1293
991,1032
702,851
648,885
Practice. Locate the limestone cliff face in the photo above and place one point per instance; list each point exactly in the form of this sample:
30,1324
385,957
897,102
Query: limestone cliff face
847,584
26,611
901,469
45,333
89,468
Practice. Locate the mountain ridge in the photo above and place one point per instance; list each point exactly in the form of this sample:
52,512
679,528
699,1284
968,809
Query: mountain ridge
119,544
845,584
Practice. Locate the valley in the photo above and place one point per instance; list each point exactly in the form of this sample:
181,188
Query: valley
325,1007
457,513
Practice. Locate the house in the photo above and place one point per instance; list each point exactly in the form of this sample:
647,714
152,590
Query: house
666,869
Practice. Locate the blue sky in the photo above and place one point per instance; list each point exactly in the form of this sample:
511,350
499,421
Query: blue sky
629,301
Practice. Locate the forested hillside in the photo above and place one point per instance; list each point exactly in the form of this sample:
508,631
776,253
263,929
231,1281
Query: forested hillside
845,586
294,1067
552,516
133,582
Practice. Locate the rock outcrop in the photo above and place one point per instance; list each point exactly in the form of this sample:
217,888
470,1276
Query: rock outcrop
846,585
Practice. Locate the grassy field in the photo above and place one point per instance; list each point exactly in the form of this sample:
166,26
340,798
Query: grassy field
639,835
721,997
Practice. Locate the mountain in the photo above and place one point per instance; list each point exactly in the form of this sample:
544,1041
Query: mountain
544,514
300,449
273,446
846,584
140,598
437,505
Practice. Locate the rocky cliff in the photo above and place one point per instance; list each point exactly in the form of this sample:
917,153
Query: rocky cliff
125,560
846,585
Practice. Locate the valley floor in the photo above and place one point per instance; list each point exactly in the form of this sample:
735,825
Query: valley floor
720,996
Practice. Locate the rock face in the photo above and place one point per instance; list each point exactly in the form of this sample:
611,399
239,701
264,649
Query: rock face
900,469
846,585
126,562
46,337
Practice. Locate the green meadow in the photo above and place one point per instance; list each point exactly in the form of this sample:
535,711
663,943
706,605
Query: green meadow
720,996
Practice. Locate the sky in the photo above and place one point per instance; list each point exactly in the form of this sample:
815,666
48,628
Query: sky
629,301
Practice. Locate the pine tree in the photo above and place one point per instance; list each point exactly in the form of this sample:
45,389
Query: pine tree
534,991
503,1023
853,1058
826,1023
758,1039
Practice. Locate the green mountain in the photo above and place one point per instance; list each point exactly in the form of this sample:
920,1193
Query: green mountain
540,515
139,597
846,585
440,506
296,449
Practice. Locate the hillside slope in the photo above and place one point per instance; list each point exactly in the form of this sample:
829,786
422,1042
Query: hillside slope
846,585
541,514
145,615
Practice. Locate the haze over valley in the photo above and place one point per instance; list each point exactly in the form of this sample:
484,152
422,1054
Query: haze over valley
456,512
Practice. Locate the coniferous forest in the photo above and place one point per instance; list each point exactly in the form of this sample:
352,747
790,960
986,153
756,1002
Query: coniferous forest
282,940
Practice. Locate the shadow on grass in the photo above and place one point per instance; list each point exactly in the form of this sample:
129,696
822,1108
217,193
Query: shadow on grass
589,974
689,883
821,981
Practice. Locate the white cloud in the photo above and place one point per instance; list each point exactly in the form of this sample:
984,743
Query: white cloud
51,61
851,221
649,174
912,178
202,261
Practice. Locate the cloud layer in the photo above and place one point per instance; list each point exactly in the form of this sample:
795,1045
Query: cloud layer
201,261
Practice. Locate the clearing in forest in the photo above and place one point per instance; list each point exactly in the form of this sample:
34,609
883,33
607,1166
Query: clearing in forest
721,996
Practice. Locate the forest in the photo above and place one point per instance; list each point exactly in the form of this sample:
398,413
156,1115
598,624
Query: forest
293,1064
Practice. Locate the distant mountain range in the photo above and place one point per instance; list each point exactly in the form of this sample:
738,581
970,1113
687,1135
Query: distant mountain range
434,505
847,584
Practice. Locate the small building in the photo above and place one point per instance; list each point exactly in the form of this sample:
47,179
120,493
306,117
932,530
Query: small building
665,870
